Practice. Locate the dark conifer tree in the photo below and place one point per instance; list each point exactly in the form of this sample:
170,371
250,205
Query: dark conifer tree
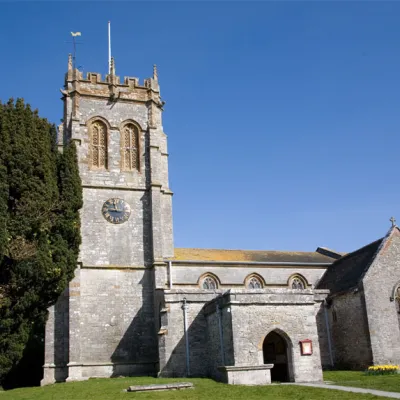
40,197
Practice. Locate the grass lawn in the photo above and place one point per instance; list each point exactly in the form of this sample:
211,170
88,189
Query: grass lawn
111,389
390,383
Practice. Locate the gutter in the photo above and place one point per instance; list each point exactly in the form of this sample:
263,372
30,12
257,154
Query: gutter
321,264
186,333
169,266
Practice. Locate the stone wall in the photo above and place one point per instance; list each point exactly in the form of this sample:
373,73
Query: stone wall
321,314
186,275
218,357
172,347
214,354
379,283
349,327
106,244
57,341
114,115
117,316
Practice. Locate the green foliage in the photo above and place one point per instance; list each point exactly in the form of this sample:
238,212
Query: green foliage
386,369
40,195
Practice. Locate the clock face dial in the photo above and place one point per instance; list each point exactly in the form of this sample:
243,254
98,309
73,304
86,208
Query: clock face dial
116,211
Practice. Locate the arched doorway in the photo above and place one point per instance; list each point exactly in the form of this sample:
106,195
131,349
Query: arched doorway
275,352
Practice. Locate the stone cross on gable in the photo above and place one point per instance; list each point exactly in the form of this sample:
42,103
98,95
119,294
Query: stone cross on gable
393,221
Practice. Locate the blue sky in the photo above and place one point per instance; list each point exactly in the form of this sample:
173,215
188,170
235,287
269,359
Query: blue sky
282,117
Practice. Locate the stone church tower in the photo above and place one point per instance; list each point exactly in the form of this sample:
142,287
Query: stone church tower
104,323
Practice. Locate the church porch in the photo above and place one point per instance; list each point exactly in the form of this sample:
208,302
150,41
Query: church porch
265,327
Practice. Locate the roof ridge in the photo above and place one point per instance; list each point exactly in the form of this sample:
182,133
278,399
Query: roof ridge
378,250
348,255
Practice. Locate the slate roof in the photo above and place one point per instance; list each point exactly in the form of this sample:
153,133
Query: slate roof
189,254
346,272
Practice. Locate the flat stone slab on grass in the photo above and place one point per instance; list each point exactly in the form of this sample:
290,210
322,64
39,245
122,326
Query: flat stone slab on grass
162,386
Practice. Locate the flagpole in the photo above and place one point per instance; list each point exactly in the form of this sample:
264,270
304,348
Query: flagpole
74,35
74,57
109,47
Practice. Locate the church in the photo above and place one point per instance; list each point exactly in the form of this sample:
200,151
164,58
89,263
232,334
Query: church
139,306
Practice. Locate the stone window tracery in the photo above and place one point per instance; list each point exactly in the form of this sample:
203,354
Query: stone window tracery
297,282
98,136
209,283
254,283
130,147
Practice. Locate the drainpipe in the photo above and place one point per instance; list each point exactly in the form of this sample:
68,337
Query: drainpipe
328,332
169,274
221,334
184,308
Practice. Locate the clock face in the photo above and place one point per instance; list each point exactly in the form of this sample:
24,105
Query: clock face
116,211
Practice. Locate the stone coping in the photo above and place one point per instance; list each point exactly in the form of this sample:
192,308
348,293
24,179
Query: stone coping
245,367
165,386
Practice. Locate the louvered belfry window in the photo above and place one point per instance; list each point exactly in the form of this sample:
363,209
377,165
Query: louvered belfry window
98,144
130,147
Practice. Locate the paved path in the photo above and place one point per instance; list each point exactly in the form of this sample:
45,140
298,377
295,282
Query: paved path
382,393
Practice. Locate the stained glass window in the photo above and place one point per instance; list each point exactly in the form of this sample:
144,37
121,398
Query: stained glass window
209,283
98,144
130,147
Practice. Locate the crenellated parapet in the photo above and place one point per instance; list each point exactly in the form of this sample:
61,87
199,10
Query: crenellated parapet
111,86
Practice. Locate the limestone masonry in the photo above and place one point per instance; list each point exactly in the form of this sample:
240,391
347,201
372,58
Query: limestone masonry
137,306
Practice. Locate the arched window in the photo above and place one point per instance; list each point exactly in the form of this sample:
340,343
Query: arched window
254,282
130,147
98,144
397,299
209,282
297,282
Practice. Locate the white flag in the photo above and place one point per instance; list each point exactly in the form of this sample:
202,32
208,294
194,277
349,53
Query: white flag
76,34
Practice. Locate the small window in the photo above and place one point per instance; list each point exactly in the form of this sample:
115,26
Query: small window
397,303
254,283
397,299
297,282
209,283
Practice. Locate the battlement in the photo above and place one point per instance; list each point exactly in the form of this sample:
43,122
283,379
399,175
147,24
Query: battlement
95,84
128,81
111,87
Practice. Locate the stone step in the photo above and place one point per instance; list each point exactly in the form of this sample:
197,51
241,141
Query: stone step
164,386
